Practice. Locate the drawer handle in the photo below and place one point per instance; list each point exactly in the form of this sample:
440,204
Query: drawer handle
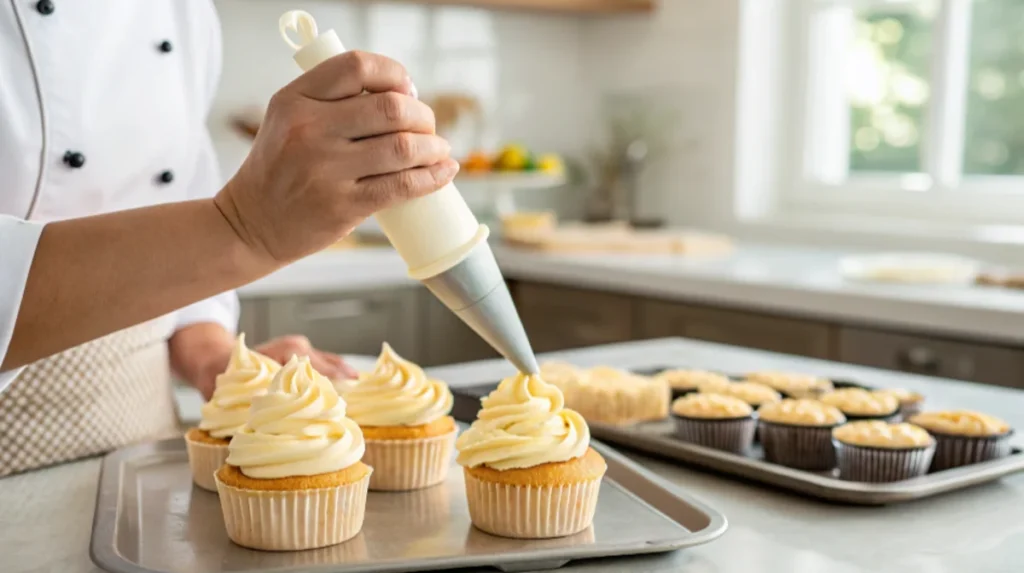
919,359
333,310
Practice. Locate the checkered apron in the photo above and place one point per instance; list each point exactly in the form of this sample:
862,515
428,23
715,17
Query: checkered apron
90,399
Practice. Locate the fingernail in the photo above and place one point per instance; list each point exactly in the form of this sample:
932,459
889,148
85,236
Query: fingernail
410,88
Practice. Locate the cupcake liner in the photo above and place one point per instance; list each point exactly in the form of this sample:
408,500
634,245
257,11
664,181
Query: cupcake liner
531,512
801,447
205,459
955,451
293,520
888,419
877,465
732,435
909,409
400,465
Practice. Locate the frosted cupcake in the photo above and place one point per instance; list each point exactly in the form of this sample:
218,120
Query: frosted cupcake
529,469
964,437
404,418
714,421
248,374
294,479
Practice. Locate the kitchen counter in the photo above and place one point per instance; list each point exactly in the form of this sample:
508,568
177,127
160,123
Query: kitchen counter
46,518
782,280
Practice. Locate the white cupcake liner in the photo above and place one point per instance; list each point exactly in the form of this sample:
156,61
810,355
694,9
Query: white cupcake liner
400,465
293,520
879,465
955,451
531,512
205,459
731,435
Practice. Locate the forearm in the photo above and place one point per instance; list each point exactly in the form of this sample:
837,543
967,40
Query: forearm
96,275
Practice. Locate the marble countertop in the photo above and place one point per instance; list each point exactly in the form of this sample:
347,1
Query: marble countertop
788,280
46,519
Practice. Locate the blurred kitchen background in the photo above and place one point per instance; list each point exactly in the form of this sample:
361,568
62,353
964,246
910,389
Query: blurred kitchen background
827,178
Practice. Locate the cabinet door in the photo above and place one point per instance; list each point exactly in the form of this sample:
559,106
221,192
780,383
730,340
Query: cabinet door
933,357
252,320
738,328
559,317
351,323
446,339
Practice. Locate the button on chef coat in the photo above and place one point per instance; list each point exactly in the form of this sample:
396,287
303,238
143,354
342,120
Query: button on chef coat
86,78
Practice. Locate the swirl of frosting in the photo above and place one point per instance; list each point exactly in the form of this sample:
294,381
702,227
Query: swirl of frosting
298,428
396,393
523,424
248,374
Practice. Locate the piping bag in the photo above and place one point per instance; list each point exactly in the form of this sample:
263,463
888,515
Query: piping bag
440,240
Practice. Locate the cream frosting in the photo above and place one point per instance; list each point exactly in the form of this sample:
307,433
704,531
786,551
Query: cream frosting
753,393
248,374
860,402
961,422
298,428
523,423
711,406
801,413
692,379
878,434
396,393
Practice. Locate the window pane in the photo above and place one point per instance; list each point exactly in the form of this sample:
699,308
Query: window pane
995,94
888,71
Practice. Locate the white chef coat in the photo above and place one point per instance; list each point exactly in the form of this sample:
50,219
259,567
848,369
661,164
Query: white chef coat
127,85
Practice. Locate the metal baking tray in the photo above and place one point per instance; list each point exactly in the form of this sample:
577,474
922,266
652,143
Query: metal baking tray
657,439
150,518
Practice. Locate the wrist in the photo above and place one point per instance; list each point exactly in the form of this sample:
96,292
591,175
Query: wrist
199,352
245,249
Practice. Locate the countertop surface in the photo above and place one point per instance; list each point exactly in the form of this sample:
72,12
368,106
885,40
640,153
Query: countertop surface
46,519
777,279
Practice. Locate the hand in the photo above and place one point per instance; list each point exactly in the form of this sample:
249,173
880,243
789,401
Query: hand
327,156
329,364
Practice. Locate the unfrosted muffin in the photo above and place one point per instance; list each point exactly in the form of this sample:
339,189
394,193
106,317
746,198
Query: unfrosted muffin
753,393
529,469
248,374
964,437
404,418
791,384
714,421
876,451
612,396
910,401
685,381
293,478
798,433
860,404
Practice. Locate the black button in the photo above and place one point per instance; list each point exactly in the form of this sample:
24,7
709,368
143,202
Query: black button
165,177
45,7
74,159
166,46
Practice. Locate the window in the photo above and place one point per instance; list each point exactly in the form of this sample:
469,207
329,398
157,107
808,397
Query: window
903,108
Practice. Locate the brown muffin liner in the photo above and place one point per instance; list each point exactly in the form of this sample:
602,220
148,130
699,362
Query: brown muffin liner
801,447
205,460
954,451
293,520
531,512
888,419
400,465
878,465
732,435
909,409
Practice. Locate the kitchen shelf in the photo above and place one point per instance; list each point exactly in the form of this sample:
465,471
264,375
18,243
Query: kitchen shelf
555,6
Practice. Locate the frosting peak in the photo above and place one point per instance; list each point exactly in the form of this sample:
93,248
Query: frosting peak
298,428
396,393
523,424
248,374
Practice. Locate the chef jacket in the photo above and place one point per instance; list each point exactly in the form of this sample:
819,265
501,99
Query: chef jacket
103,107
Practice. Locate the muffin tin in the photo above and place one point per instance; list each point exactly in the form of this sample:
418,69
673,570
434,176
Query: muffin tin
659,439
150,518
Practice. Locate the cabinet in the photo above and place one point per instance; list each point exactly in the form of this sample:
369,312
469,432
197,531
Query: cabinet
557,317
787,335
445,338
252,320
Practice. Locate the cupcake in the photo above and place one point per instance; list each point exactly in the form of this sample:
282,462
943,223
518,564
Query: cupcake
860,404
529,469
714,421
791,384
685,381
753,393
910,402
798,433
613,396
876,451
963,437
404,417
248,374
293,478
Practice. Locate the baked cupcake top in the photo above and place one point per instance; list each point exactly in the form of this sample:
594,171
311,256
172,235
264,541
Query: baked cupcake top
961,423
860,402
711,406
248,374
523,423
692,379
396,393
878,434
791,383
753,393
298,428
801,412
904,396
